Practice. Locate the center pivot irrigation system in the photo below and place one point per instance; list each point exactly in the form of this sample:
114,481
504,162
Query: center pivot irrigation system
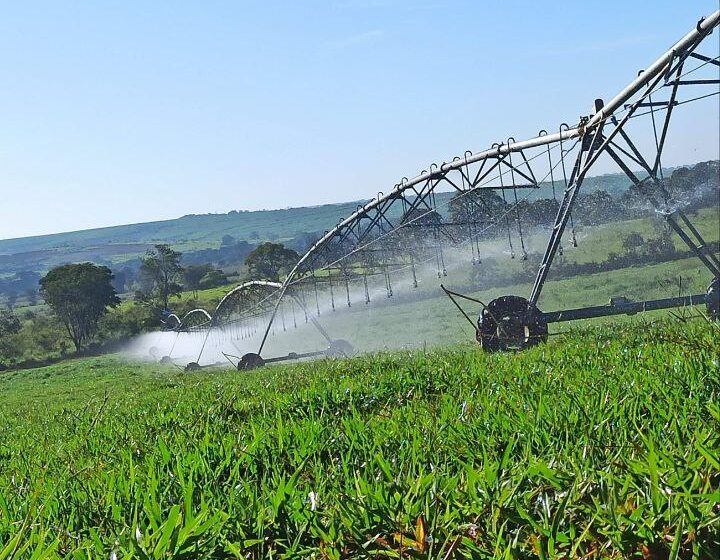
401,231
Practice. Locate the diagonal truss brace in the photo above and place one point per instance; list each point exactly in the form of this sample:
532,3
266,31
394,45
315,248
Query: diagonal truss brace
599,144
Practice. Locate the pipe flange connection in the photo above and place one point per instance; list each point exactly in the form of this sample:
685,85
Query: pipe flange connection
250,361
712,299
510,323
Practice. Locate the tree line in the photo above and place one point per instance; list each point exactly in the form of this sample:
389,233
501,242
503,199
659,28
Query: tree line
85,303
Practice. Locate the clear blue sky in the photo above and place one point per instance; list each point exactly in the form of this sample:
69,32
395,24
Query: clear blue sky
121,112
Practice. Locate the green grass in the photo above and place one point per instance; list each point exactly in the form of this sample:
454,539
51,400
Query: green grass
433,321
595,243
208,298
601,443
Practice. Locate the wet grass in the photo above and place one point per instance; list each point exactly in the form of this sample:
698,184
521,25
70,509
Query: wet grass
600,444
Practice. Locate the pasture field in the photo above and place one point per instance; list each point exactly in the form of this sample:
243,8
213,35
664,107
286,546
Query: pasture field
602,443
595,244
427,318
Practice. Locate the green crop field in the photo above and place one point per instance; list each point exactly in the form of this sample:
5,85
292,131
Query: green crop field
602,443
425,317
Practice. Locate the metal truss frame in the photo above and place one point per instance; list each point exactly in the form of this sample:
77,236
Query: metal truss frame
512,166
600,133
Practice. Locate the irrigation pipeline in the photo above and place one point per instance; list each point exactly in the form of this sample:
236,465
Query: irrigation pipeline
594,123
417,196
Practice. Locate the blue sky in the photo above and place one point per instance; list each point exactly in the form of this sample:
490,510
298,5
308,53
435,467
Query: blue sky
122,112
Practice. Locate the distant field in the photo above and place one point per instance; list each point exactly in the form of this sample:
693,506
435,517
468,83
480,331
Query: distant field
200,231
601,444
192,230
595,243
119,244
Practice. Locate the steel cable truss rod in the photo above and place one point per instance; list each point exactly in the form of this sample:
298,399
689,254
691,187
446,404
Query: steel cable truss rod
495,221
704,27
194,318
200,318
462,193
366,223
217,320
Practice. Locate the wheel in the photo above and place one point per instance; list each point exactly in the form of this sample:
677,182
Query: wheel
339,348
166,360
192,366
510,323
250,361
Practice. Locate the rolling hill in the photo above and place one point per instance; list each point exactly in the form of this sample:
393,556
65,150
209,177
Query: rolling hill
117,244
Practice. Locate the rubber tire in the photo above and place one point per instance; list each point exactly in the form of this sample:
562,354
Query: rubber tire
250,361
516,309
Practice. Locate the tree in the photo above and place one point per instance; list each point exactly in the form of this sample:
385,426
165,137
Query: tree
213,279
268,260
31,296
541,212
420,228
632,242
79,294
126,321
303,241
11,346
125,277
475,210
421,217
661,247
596,208
9,323
160,275
193,274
